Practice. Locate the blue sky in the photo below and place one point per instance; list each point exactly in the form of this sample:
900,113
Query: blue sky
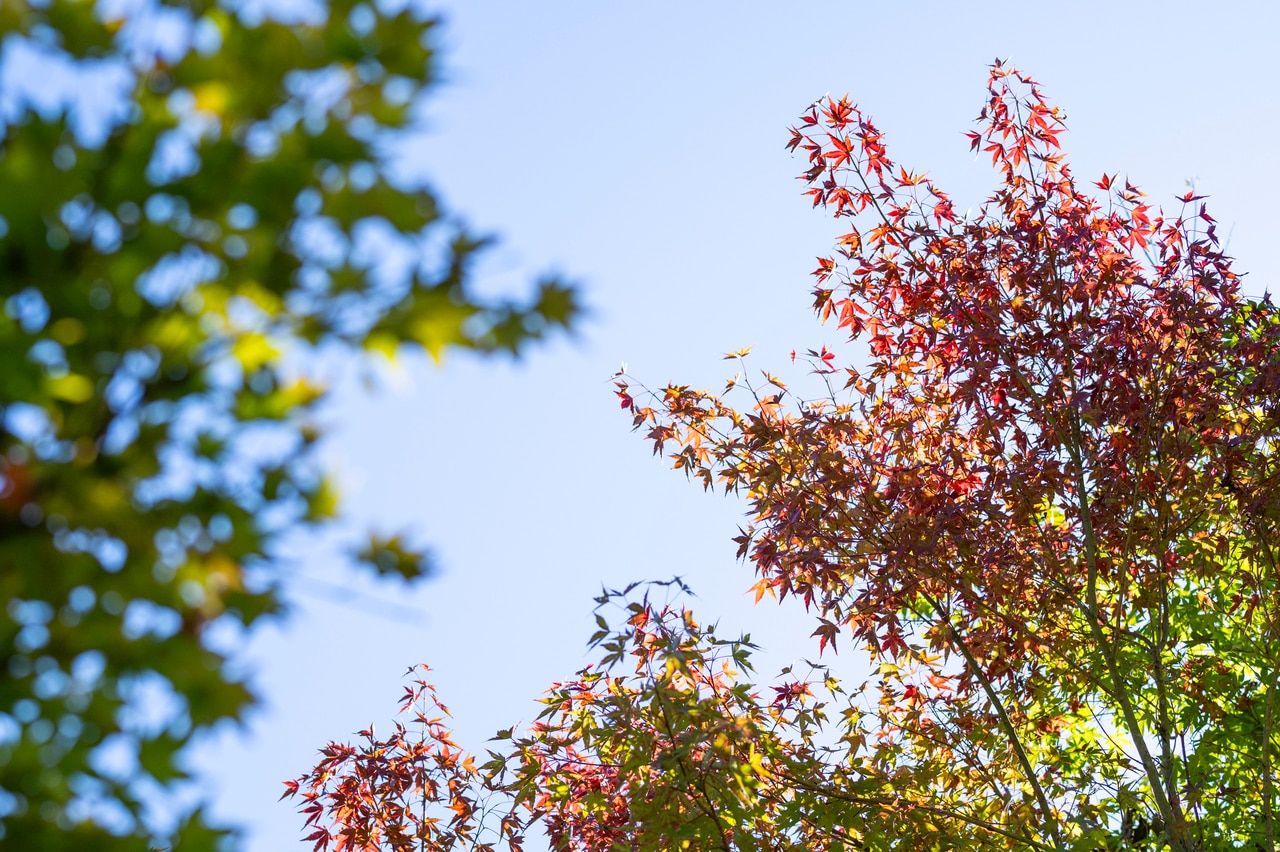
637,149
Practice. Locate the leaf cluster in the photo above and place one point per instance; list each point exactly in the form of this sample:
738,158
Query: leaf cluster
412,790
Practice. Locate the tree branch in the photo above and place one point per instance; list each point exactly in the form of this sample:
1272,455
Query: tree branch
1010,731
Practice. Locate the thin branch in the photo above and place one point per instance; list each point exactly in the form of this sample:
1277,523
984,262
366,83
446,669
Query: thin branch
1092,615
1010,731
898,803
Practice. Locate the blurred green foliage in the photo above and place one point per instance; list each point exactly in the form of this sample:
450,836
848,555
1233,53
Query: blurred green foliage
161,280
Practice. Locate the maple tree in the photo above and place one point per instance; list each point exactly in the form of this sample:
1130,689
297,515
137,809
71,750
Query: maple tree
394,793
171,254
1042,504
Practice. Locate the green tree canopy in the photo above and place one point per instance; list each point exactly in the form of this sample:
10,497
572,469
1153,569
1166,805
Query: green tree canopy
169,253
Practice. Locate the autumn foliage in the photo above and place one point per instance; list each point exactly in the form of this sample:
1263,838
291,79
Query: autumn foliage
409,791
1043,503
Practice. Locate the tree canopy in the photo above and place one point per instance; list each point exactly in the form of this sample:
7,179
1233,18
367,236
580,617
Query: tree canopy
171,254
1038,496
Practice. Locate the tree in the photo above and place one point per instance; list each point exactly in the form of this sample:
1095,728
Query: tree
1044,507
396,793
167,265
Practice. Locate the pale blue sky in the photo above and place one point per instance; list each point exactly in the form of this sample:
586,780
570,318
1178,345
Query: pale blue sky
637,148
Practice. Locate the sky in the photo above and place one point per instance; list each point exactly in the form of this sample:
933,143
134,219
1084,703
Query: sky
637,149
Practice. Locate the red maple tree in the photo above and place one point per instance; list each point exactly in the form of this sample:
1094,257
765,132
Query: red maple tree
1043,504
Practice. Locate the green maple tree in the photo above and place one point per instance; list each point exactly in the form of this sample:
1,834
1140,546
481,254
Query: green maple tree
161,280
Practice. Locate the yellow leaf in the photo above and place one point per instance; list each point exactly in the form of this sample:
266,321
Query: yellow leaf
212,97
174,332
301,392
71,387
439,328
383,343
265,300
68,331
106,495
253,350
324,503
223,573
